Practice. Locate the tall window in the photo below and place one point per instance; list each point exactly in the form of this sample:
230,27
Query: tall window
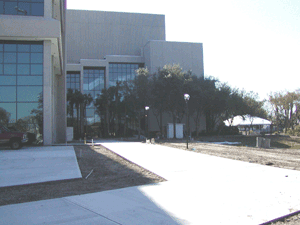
73,80
21,84
93,83
22,7
122,72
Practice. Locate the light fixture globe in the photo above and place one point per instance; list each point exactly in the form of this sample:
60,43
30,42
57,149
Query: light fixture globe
147,107
186,97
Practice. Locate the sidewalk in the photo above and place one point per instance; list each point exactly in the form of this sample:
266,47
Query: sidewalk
37,164
220,189
201,189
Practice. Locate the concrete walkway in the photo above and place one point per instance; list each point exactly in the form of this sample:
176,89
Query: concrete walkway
212,190
37,164
201,189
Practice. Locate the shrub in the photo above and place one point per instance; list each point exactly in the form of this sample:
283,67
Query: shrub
295,132
229,130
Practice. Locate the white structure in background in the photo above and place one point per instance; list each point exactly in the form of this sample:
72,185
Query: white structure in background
248,123
179,130
70,133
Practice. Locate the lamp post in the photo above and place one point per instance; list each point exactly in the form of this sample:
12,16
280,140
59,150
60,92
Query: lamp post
187,98
146,121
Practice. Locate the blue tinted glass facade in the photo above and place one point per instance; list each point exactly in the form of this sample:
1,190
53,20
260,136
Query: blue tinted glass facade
73,80
21,84
22,7
122,72
93,83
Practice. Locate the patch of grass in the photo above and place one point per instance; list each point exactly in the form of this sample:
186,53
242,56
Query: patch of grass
278,144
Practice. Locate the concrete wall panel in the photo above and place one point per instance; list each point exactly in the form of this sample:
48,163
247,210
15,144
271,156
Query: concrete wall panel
60,109
18,26
93,35
47,95
188,55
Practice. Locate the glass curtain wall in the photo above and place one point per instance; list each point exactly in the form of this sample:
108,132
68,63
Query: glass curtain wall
123,123
22,7
122,72
93,83
21,86
73,82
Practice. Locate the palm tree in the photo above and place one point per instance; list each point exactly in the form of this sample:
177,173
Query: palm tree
71,102
78,100
87,100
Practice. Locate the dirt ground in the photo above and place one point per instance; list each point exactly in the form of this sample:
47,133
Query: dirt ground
288,157
104,170
282,158
109,171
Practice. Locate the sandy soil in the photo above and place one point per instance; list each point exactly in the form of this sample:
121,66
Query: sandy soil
282,158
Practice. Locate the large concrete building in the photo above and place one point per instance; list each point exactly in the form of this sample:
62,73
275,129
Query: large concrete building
46,49
106,47
32,67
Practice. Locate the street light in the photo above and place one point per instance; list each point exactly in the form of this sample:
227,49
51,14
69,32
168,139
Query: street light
187,98
146,121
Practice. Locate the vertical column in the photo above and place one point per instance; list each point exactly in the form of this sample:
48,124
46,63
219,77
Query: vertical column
81,78
48,8
47,94
60,109
106,76
54,103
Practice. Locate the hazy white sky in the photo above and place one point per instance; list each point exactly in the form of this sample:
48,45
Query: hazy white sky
250,44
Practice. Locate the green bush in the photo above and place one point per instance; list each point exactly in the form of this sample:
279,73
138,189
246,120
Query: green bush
229,131
221,130
295,132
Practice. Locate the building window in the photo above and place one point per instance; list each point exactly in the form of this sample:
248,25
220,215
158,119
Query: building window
22,7
93,83
73,80
21,85
122,72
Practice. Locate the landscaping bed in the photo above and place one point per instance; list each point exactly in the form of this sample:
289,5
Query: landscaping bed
101,170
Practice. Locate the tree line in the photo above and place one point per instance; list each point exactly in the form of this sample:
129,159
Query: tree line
121,107
285,110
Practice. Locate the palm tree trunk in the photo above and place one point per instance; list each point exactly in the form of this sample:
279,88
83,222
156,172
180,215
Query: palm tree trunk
72,111
139,122
174,126
77,109
160,125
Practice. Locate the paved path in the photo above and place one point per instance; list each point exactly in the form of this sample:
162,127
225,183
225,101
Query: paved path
201,189
37,164
218,189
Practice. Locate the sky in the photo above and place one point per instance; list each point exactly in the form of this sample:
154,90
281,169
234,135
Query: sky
249,44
